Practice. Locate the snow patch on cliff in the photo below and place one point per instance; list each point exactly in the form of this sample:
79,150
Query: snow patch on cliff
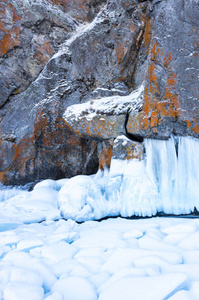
115,105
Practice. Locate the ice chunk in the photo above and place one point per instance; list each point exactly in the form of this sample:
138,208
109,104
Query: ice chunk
64,267
152,244
90,252
35,206
133,234
8,223
148,261
191,270
123,273
75,288
80,199
195,289
121,258
51,184
156,287
17,258
175,238
182,295
92,264
22,291
5,272
80,271
100,238
9,238
55,296
191,257
25,276
29,243
48,183
190,242
98,279
57,252
8,192
181,228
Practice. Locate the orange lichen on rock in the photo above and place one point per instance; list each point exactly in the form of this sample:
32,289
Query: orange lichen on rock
98,126
167,59
24,156
147,34
10,27
196,39
77,8
154,119
122,50
155,107
135,151
135,122
44,52
126,149
18,159
156,52
196,129
105,154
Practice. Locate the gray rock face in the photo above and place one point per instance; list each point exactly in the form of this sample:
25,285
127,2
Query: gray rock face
126,149
73,75
171,71
127,45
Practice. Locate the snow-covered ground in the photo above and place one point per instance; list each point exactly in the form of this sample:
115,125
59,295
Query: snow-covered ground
140,259
43,256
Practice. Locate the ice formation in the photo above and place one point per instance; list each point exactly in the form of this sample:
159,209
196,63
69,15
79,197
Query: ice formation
166,180
155,258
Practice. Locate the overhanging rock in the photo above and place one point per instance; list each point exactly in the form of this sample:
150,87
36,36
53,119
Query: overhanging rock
104,118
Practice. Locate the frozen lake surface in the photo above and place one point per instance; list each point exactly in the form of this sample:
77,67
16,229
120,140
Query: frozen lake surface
155,258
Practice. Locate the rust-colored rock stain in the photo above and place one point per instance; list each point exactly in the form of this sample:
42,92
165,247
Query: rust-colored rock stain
9,26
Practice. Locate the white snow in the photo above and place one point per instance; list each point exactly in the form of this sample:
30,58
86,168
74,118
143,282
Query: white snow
22,291
113,104
153,287
112,259
43,256
75,288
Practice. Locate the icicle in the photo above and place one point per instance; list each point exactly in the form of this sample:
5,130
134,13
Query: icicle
162,182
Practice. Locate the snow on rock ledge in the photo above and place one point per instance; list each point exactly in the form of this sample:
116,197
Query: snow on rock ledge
103,118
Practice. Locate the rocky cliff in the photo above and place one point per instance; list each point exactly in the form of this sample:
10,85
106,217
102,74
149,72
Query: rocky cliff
76,74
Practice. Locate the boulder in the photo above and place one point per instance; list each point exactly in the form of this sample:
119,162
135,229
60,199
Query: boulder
104,118
126,149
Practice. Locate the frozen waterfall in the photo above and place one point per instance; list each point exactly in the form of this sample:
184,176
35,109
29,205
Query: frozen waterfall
166,180
175,174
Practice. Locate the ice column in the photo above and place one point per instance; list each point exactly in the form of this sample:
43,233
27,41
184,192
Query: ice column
175,174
